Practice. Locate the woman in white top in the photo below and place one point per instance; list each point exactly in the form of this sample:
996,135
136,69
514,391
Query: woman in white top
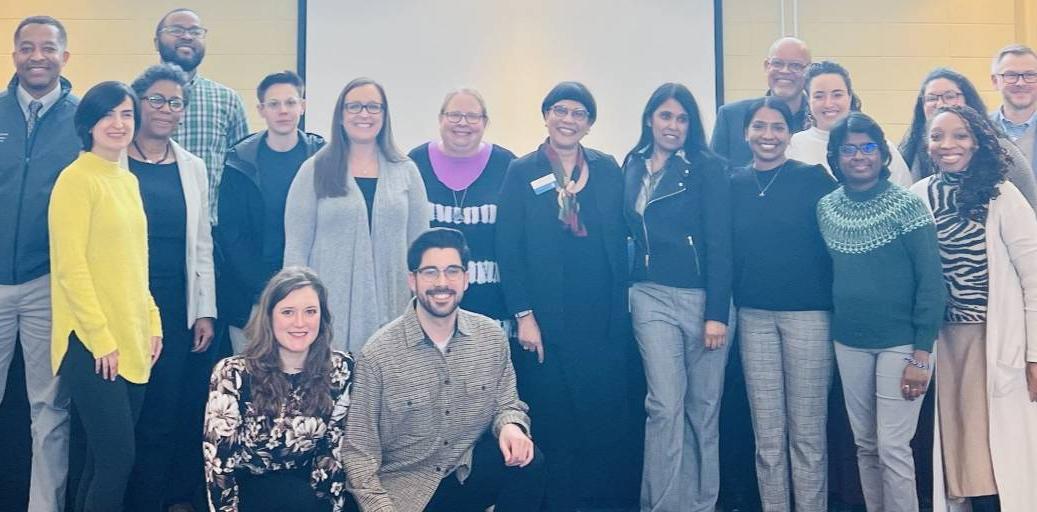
831,97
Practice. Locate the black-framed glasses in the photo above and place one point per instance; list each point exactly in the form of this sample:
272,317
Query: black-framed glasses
868,148
289,103
790,65
157,101
1011,77
178,31
578,114
947,97
469,117
354,107
453,273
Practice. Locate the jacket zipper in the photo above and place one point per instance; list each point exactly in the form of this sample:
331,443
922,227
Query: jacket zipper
695,255
30,143
644,225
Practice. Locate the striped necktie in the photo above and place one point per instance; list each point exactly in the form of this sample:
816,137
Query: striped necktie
34,115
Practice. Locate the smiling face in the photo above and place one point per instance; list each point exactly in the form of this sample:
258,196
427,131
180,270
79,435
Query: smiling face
295,320
363,127
39,58
768,135
1019,95
938,93
829,100
565,132
951,144
464,137
160,122
785,68
281,108
669,125
186,51
441,296
114,131
860,171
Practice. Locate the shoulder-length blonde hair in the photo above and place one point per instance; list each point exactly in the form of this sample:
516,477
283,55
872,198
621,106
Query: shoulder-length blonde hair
329,164
270,387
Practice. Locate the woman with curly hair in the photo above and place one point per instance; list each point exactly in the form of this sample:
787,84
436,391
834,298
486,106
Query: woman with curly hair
276,413
946,87
988,343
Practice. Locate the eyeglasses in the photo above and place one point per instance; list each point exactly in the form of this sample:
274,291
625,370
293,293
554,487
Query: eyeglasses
578,114
781,65
868,148
453,273
289,103
157,101
178,31
947,97
354,107
1029,77
469,117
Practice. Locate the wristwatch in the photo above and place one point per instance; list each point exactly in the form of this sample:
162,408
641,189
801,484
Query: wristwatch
521,314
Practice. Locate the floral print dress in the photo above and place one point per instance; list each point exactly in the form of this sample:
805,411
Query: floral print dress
238,439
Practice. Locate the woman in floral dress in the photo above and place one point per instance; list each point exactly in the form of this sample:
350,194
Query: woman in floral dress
276,412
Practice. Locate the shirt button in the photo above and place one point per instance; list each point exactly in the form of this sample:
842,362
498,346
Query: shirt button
438,469
447,413
447,382
446,443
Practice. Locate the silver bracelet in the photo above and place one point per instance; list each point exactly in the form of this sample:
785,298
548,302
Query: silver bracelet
916,363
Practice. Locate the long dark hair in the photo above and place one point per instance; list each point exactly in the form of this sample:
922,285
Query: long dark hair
827,67
987,168
695,143
857,122
329,164
270,387
916,139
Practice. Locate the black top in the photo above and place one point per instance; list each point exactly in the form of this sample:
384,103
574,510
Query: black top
277,170
780,259
478,204
166,212
368,187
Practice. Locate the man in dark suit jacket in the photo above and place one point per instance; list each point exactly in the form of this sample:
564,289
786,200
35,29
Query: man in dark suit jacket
785,66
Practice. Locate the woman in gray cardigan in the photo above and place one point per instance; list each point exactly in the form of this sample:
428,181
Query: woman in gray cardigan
352,211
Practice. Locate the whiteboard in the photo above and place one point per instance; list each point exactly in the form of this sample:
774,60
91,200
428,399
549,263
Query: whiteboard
513,52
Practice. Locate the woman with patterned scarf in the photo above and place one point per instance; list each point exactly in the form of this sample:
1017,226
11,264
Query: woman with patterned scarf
888,296
561,248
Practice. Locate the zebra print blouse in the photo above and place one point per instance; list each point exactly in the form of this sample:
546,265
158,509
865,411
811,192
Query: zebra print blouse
963,253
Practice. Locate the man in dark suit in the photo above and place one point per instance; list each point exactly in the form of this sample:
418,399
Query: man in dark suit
785,65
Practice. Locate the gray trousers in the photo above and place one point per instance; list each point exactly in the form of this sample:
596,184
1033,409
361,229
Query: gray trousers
787,357
883,424
685,382
25,314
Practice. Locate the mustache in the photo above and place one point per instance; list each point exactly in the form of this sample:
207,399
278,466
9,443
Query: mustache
434,291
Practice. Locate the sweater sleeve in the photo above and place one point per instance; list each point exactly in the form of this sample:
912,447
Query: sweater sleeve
419,210
719,258
300,217
1020,237
71,203
511,240
930,290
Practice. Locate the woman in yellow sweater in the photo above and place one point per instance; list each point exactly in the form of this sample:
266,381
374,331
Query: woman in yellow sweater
106,327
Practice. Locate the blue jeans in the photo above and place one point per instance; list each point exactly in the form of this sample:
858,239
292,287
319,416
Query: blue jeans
685,383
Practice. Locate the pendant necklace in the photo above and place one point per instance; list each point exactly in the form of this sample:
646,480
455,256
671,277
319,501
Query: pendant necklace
760,187
149,160
458,206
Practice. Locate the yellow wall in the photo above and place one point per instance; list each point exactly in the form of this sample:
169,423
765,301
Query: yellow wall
112,39
887,45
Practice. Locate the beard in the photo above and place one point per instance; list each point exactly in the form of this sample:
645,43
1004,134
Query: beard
425,300
188,64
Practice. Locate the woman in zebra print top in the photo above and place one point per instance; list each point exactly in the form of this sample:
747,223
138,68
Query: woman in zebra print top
987,351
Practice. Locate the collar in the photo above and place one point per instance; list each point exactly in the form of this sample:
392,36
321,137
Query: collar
414,333
802,105
873,192
1023,125
646,154
48,100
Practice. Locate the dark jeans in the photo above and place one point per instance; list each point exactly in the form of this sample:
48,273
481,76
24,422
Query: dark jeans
108,411
148,488
279,491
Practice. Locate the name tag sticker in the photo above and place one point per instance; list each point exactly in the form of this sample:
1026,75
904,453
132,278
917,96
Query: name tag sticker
543,183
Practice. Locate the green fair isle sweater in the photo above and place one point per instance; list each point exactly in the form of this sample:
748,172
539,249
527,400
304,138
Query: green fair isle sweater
888,287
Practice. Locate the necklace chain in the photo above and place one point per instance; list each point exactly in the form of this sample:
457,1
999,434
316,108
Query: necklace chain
760,187
147,159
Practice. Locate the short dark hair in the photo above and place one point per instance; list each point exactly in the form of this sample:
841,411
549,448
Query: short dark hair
158,72
773,103
281,77
43,20
574,91
437,238
162,20
857,122
827,67
96,104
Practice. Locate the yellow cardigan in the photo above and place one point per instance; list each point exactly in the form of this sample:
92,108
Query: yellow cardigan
99,266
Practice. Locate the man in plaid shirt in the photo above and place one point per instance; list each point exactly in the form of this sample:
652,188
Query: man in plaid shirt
215,116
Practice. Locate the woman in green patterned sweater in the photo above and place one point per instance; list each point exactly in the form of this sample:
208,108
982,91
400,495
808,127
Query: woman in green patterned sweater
889,298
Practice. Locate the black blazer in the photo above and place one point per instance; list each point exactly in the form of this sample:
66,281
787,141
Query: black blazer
684,238
529,236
